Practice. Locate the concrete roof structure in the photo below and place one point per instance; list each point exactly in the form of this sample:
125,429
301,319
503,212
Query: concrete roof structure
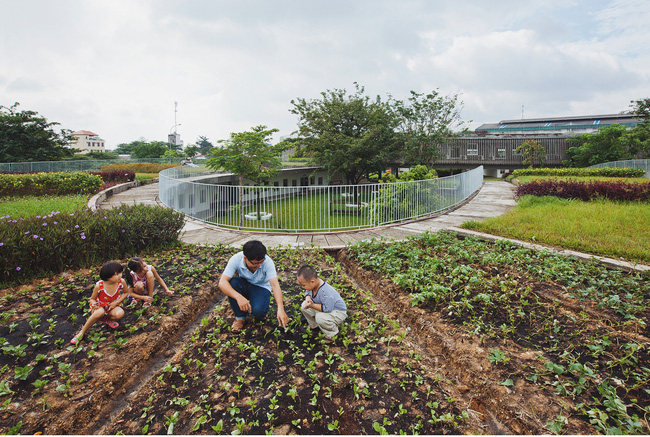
558,125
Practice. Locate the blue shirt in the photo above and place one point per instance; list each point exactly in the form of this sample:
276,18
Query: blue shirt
328,298
260,277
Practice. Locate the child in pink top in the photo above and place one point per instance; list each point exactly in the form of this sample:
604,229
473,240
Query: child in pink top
140,279
106,299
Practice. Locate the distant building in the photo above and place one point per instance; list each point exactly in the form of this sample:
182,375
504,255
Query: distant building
583,124
87,141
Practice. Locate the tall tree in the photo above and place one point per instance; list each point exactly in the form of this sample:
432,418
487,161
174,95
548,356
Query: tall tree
350,134
608,144
26,136
425,122
204,145
148,149
250,155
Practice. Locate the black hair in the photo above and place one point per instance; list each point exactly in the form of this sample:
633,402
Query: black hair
254,250
109,269
132,267
307,273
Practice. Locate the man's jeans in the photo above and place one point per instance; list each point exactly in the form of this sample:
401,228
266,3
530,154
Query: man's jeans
259,298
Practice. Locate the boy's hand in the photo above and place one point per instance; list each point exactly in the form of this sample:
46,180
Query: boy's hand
307,302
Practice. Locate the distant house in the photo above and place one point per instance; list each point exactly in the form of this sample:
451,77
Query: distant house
87,141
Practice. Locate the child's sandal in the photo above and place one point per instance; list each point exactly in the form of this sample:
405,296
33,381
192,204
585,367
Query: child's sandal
112,324
76,339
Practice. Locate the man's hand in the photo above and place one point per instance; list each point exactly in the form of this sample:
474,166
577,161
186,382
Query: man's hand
244,304
283,319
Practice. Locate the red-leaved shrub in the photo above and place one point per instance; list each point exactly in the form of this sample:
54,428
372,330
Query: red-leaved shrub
611,190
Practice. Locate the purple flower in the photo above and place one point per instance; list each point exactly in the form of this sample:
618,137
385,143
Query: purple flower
76,226
26,232
83,237
41,238
56,223
44,224
123,231
2,244
35,236
17,269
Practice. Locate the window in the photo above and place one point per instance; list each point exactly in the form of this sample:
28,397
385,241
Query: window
276,183
501,153
202,196
472,150
294,183
181,201
597,121
190,203
320,180
285,182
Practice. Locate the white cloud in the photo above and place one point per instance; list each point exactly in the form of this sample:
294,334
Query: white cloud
116,67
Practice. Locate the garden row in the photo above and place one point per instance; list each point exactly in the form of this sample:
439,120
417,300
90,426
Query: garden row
561,343
59,183
177,368
582,172
610,190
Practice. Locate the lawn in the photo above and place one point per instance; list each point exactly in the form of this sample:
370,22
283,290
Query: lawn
612,229
17,207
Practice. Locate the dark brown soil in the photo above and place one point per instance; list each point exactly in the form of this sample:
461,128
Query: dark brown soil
177,368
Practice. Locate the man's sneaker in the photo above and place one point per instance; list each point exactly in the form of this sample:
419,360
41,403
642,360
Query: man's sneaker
238,324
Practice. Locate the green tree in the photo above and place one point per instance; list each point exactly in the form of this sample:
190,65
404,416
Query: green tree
249,155
532,153
425,122
95,155
204,145
610,143
190,151
146,149
173,154
26,136
348,134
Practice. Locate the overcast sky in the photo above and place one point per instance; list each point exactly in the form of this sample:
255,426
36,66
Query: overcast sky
116,67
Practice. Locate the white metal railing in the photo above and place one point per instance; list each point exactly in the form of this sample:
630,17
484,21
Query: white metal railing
310,208
630,163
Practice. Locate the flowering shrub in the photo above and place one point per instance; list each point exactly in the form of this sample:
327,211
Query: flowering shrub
614,190
38,246
140,167
39,184
606,172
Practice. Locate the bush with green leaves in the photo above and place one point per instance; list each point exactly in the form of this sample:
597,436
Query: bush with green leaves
604,172
41,184
42,245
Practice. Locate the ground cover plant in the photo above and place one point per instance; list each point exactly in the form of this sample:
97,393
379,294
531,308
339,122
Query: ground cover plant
567,340
601,227
177,368
38,184
444,335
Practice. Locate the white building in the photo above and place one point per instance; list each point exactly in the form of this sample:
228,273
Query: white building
87,141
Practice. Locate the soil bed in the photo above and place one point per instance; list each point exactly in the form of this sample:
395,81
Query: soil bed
506,342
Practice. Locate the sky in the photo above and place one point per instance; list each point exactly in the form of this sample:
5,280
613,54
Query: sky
118,67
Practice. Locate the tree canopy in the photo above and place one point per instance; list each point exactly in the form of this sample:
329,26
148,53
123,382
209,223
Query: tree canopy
143,149
350,134
27,136
356,135
611,143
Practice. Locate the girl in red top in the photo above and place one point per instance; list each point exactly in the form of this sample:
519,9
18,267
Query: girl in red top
106,299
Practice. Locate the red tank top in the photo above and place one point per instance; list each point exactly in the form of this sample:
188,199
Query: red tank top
104,297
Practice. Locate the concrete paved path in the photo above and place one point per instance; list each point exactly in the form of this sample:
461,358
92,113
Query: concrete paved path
493,199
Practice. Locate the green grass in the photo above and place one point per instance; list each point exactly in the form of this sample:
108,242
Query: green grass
145,176
612,229
28,206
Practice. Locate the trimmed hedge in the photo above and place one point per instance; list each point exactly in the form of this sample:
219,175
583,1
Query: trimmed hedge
40,246
140,167
589,190
41,184
115,176
604,172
